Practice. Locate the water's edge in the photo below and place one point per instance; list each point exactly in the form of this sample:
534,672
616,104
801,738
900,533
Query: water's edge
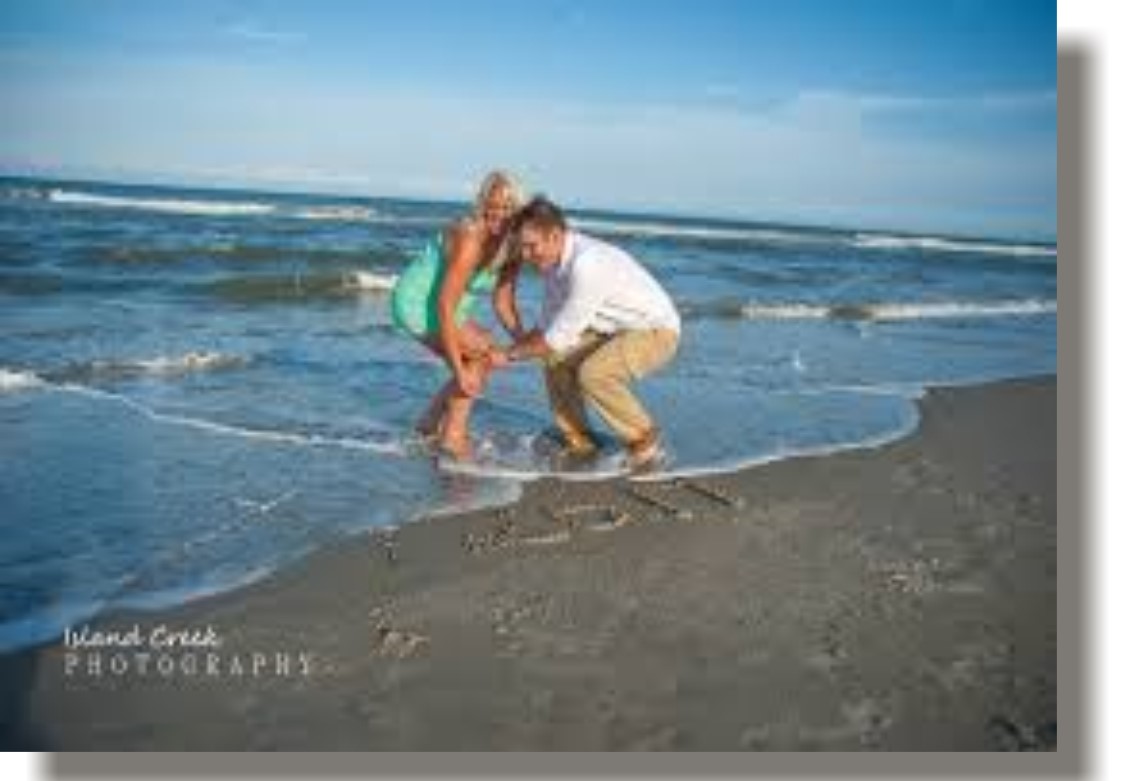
174,599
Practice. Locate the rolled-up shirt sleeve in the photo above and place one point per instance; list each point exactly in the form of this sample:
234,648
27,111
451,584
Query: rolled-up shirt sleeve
577,311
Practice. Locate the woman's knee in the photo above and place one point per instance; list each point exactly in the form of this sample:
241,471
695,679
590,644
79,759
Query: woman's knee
479,370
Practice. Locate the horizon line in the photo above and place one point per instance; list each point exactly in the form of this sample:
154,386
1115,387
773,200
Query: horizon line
173,181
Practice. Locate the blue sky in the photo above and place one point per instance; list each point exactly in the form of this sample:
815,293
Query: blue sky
931,116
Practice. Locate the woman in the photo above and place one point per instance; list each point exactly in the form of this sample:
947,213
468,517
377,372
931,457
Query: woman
434,297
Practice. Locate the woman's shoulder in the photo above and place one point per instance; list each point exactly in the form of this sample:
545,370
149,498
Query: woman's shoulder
465,233
464,227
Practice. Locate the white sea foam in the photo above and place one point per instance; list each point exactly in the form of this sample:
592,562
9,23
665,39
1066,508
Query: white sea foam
756,311
161,365
12,380
529,473
371,280
959,309
20,380
871,443
502,455
344,213
164,205
417,220
887,311
225,429
188,362
673,230
938,244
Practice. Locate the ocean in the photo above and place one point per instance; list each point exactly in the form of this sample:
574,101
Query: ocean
200,386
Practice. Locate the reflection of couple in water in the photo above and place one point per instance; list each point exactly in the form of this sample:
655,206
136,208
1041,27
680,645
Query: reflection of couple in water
606,322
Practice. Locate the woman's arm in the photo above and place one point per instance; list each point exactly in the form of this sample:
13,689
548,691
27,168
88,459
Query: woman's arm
461,257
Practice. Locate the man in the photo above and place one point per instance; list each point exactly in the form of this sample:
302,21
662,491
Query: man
607,323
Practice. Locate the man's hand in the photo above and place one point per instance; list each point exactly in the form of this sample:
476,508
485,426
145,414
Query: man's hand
532,345
498,358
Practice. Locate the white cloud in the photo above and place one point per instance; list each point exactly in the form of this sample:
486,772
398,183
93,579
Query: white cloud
810,157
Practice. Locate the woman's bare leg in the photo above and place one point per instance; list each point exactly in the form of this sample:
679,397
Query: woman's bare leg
449,411
429,425
475,341
459,407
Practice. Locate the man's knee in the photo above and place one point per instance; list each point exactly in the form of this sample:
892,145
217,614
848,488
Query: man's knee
597,375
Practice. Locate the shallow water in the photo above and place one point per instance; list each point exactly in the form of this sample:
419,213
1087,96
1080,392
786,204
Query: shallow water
197,387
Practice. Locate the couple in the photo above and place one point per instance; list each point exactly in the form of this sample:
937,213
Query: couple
606,321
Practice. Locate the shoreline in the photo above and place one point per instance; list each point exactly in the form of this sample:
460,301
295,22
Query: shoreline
898,596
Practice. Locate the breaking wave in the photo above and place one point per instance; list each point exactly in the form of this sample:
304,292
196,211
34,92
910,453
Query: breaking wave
165,205
161,366
938,244
671,230
296,288
874,311
12,380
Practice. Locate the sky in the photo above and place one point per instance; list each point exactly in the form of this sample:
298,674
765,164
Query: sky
931,116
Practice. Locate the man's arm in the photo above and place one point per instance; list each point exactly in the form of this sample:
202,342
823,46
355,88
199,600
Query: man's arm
565,330
583,298
529,346
504,299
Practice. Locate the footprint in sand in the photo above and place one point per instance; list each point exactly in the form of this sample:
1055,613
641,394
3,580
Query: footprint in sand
1010,735
394,643
865,720
832,655
568,521
911,577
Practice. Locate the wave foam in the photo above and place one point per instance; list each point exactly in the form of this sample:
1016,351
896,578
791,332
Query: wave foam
162,365
226,429
16,380
219,208
885,311
653,229
320,285
937,244
371,280
338,214
163,205
956,309
875,241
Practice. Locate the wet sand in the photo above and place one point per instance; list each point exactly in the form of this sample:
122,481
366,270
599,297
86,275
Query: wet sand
901,598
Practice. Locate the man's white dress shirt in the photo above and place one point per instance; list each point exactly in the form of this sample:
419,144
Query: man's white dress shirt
600,287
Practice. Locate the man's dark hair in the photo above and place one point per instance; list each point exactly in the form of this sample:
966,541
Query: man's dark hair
541,213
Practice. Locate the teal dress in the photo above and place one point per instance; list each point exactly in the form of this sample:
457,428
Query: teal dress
414,300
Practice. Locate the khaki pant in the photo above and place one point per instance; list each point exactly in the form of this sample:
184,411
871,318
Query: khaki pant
599,369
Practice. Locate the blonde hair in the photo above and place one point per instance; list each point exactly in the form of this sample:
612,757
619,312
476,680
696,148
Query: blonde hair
494,180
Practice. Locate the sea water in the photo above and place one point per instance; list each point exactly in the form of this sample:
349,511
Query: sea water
197,387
